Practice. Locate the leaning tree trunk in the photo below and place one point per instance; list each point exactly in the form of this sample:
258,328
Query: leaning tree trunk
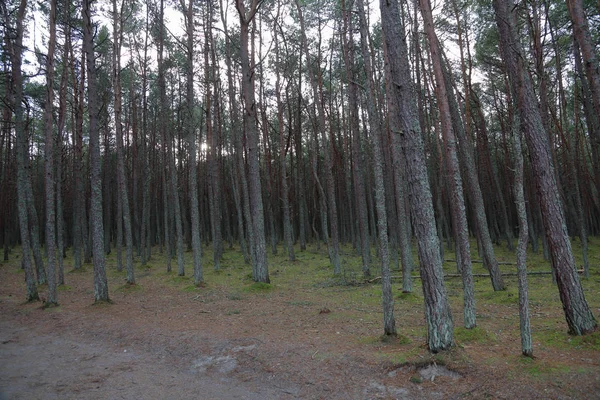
473,187
404,124
457,202
577,312
581,32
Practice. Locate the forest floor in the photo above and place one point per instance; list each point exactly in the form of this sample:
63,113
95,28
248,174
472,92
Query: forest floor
308,335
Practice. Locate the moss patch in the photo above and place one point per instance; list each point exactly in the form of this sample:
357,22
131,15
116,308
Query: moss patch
474,335
259,287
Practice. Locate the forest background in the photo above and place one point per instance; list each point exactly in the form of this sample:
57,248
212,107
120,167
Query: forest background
270,126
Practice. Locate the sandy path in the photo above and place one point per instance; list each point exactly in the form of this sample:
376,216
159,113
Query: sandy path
46,366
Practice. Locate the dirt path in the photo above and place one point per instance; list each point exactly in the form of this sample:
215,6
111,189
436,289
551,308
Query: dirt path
180,346
41,366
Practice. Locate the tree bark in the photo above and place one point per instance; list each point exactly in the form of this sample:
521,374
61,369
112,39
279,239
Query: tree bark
260,270
577,312
457,203
404,124
15,46
358,156
123,192
285,201
525,326
100,281
49,155
333,244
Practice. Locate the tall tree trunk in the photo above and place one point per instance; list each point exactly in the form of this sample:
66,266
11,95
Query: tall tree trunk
62,117
577,312
50,172
525,326
334,250
15,46
191,137
260,270
389,323
457,203
238,168
211,105
404,124
358,161
285,201
79,207
123,192
100,281
473,187
581,32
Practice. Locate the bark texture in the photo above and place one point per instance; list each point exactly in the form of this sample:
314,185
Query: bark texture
577,312
405,128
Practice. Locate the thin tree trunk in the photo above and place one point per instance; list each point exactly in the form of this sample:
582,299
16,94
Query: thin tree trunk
457,203
525,326
334,251
239,174
358,161
260,271
100,281
473,187
577,312
285,201
123,192
15,47
49,155
191,137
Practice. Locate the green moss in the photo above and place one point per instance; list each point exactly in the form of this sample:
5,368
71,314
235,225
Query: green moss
259,287
410,297
474,335
64,288
192,288
589,341
176,280
507,297
550,337
539,368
